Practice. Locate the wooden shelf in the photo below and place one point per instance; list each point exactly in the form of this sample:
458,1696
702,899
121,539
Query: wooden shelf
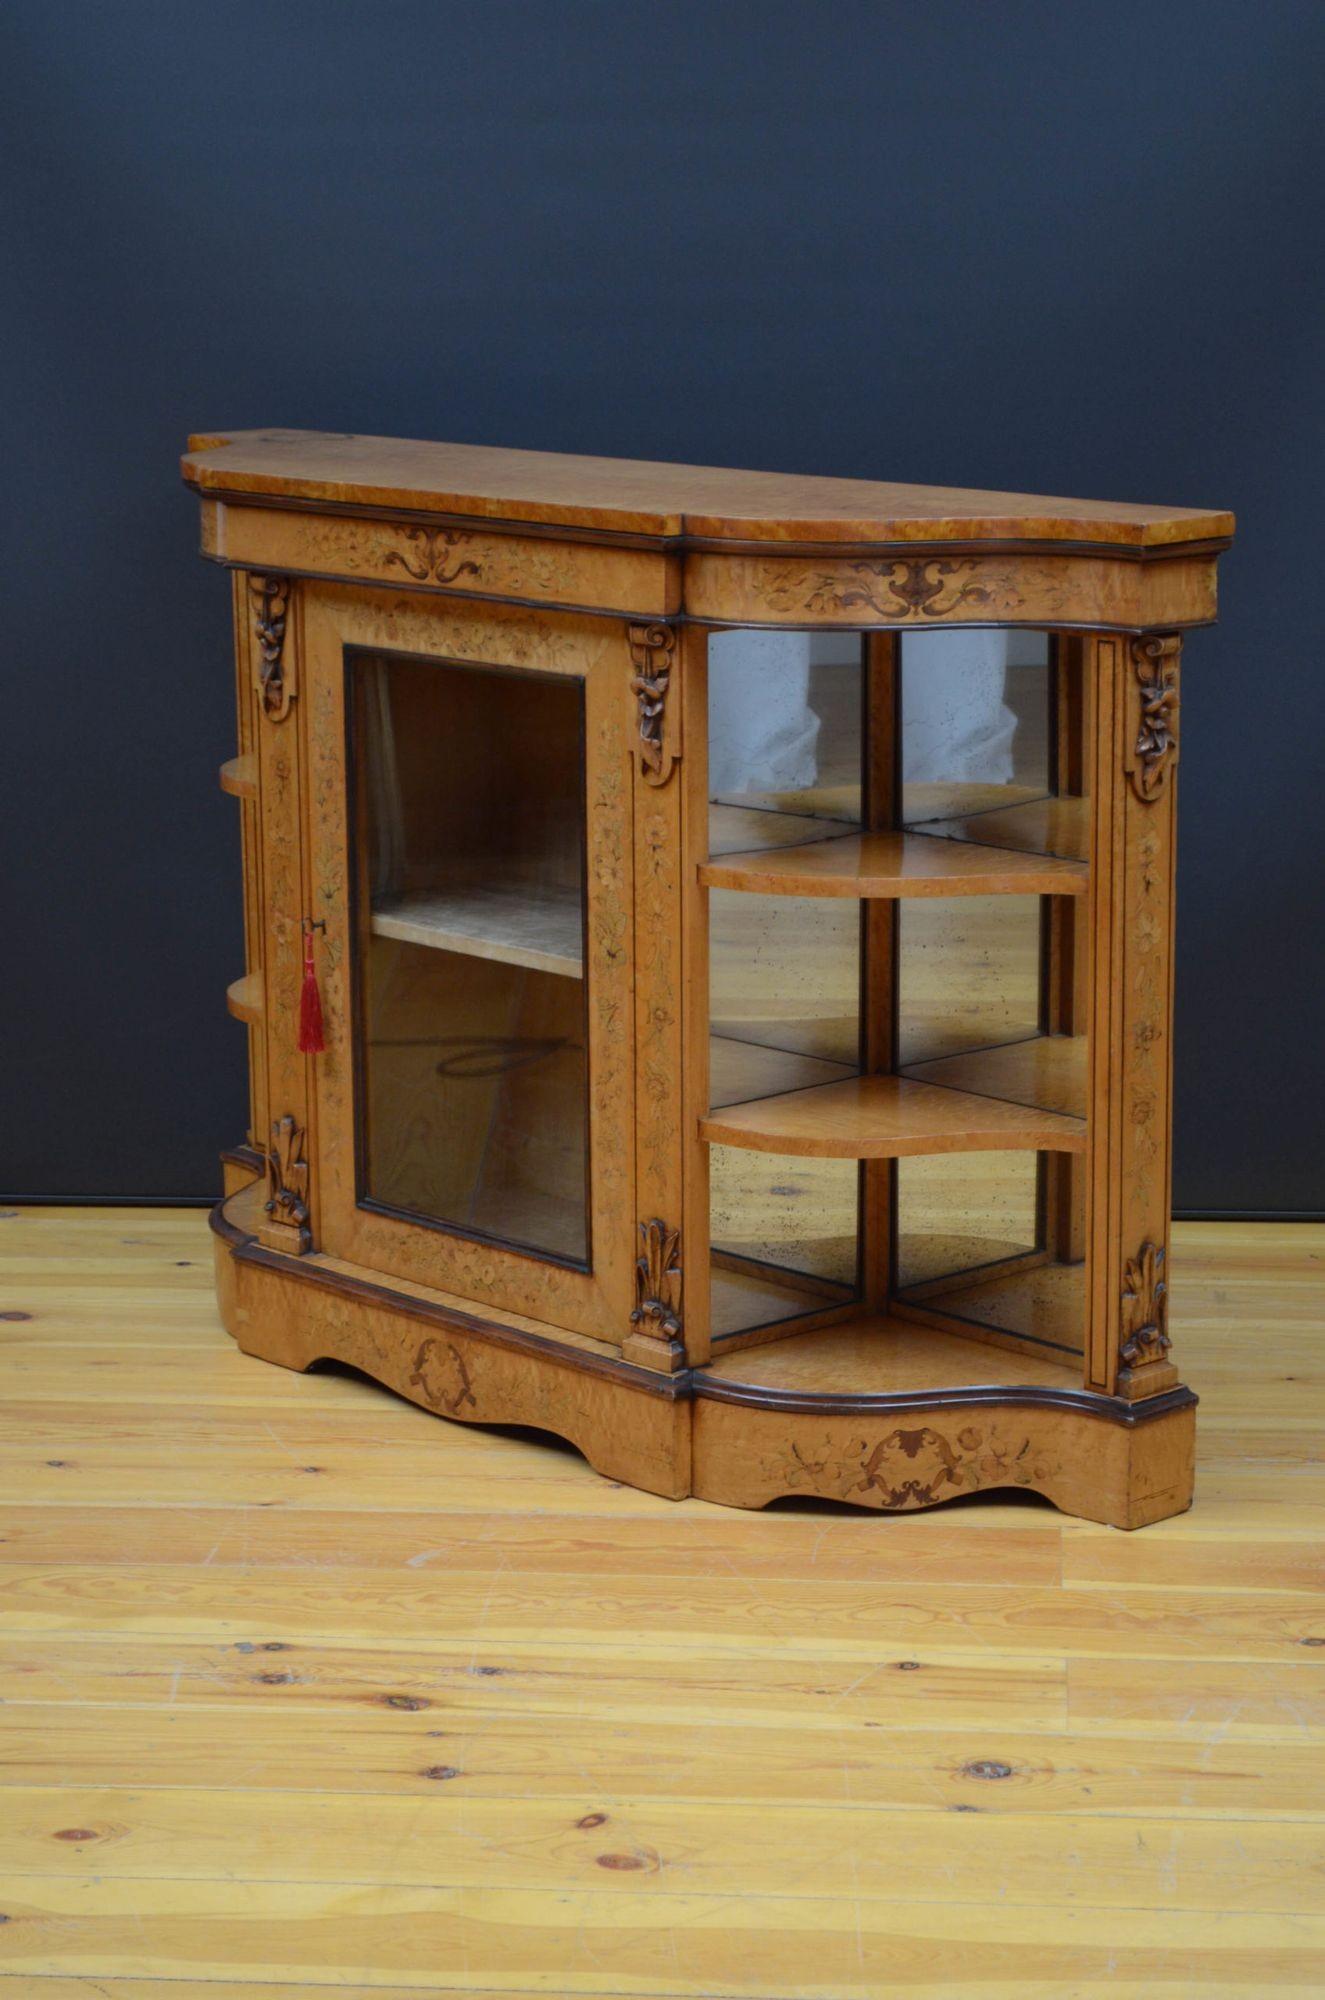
892,865
239,777
540,930
243,997
874,1355
1059,827
1047,1071
888,1118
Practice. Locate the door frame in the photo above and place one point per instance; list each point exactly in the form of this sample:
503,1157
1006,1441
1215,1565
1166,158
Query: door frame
479,1270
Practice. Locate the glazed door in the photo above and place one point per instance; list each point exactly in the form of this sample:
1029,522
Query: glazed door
470,795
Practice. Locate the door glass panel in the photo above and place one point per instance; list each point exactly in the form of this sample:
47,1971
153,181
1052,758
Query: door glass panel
471,1022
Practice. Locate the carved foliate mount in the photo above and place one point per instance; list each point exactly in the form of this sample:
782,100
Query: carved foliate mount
656,1320
652,648
1154,751
658,1280
271,596
286,1206
1143,1355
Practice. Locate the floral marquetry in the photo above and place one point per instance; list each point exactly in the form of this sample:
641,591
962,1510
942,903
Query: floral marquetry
914,1466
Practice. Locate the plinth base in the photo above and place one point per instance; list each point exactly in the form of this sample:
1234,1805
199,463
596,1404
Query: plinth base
841,1413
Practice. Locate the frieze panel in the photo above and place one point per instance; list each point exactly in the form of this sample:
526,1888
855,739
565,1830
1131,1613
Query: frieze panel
457,560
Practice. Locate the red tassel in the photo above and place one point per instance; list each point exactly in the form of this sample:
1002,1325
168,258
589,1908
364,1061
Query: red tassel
312,1037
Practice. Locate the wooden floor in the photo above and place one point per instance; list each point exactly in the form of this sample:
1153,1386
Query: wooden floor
303,1688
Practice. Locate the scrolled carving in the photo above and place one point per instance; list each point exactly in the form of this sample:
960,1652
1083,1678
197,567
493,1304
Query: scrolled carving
287,1178
651,649
658,1281
1155,749
1145,1336
271,602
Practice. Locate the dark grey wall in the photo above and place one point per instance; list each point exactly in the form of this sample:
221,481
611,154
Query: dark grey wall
1061,247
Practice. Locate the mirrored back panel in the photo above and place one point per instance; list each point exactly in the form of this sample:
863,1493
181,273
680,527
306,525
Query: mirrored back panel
992,739
969,974
785,725
963,1212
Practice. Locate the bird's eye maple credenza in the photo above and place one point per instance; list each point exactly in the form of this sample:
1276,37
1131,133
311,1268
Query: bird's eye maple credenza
709,962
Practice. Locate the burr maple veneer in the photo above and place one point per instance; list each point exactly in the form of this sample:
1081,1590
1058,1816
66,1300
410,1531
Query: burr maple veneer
709,962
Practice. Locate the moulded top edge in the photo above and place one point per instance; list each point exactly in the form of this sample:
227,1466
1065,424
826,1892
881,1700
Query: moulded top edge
673,502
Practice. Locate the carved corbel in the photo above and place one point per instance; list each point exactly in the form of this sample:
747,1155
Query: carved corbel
1154,749
286,1207
656,1319
1143,1364
271,595
651,652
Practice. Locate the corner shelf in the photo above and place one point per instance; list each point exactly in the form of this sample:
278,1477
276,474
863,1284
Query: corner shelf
540,930
239,777
889,1118
243,998
872,865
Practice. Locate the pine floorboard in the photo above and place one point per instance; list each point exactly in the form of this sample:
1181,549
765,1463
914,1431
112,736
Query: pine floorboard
302,1690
